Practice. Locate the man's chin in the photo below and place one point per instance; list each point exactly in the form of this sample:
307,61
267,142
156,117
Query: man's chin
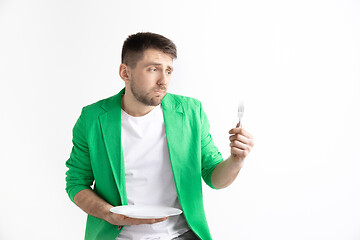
156,100
156,103
152,102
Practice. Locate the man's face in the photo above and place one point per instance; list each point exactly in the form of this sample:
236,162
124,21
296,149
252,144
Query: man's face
149,79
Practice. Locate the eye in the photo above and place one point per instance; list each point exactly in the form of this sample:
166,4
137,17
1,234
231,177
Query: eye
153,69
168,72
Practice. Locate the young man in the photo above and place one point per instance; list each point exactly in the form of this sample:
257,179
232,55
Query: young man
145,146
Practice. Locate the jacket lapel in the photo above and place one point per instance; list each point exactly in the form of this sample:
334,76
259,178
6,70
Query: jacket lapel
110,123
174,120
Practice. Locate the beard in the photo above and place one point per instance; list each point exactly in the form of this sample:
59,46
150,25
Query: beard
145,97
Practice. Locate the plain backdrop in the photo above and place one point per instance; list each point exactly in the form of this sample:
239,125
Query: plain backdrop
296,64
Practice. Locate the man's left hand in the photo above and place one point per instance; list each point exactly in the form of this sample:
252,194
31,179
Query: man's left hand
241,143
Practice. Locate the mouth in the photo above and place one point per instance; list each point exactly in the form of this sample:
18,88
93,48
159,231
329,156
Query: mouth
159,91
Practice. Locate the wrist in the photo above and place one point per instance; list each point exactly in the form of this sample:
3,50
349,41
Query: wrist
236,163
108,215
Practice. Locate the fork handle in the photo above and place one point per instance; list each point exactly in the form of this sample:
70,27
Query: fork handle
238,127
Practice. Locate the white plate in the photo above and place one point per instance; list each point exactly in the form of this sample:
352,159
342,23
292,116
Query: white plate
146,212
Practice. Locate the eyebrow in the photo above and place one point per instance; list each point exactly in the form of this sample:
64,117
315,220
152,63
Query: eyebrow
158,64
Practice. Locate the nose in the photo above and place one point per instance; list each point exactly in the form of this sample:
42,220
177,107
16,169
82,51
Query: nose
163,79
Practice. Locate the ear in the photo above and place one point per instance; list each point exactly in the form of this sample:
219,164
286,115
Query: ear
124,72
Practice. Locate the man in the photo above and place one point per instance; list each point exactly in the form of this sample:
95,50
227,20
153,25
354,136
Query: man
145,146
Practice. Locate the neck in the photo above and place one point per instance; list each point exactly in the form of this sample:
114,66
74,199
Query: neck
133,107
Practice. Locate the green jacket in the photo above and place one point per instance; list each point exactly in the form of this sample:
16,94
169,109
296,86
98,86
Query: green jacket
97,158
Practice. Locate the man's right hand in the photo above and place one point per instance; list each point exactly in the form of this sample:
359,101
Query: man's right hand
121,220
95,206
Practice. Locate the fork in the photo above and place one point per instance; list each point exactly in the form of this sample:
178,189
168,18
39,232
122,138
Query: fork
240,115
240,111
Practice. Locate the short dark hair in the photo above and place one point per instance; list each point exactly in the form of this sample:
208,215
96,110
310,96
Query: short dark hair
135,46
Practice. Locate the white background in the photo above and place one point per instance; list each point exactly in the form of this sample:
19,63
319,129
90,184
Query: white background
295,63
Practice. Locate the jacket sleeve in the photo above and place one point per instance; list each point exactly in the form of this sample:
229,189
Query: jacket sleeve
79,175
210,155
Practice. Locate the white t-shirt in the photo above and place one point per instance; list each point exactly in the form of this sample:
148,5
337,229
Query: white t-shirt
148,174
